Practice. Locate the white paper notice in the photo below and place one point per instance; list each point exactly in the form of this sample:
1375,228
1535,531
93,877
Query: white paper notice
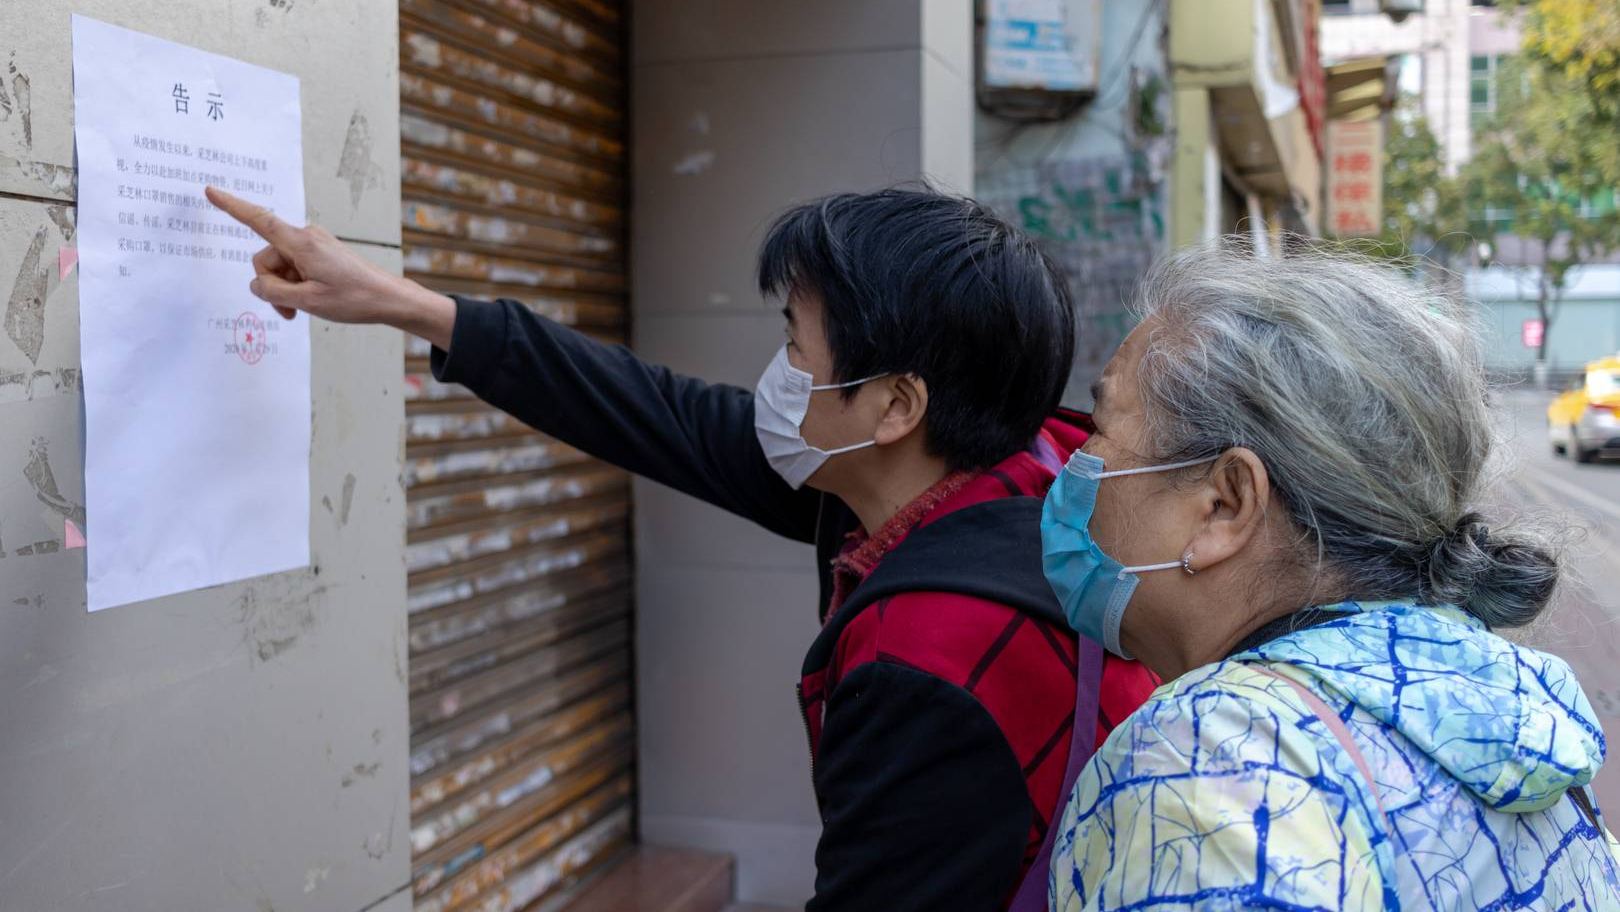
196,395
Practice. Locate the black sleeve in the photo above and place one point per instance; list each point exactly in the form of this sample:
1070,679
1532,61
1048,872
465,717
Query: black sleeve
924,806
693,436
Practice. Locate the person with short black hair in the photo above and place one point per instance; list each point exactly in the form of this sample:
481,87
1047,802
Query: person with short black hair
908,429
936,286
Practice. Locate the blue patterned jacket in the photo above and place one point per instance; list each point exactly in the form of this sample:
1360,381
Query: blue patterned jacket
1225,791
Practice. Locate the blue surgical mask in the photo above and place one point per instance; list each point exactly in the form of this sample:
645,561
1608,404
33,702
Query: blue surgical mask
1092,587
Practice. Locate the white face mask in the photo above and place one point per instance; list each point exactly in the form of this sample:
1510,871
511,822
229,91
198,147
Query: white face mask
781,400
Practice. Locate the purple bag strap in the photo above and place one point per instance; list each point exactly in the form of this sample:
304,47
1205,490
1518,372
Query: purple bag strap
1031,895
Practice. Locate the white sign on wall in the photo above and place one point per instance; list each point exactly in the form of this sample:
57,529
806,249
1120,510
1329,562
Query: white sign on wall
1041,44
196,394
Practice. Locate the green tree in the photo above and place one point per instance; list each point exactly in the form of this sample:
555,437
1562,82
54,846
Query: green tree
1541,172
1424,216
1581,40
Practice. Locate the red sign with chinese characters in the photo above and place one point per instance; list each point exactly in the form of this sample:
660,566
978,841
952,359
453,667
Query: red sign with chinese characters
1355,190
1312,77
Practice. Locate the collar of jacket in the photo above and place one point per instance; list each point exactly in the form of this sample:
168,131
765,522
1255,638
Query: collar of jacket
983,541
864,552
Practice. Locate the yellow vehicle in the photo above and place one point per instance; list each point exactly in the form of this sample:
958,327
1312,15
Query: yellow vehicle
1584,421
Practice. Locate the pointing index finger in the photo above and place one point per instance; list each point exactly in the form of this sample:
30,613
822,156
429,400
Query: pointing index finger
263,222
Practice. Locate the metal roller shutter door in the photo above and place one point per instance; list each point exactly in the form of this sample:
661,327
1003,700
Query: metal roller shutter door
512,129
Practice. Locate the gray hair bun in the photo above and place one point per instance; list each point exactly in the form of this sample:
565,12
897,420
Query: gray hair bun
1504,581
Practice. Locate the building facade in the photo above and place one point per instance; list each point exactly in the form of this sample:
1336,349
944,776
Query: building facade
1447,56
1094,186
1205,118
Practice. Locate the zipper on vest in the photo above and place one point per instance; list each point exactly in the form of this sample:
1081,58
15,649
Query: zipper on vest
804,716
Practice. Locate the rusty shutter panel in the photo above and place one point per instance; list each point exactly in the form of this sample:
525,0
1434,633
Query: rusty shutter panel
512,121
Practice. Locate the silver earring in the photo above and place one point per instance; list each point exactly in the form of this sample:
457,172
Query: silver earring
1186,564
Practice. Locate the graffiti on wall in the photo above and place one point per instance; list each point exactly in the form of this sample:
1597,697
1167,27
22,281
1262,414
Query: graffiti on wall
1103,221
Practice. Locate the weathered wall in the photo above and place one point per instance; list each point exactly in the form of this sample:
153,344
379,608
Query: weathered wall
241,747
1092,187
740,108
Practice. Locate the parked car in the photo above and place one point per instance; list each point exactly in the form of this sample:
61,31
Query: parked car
1584,421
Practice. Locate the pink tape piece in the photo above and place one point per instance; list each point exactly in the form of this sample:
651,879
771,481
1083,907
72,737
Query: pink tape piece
70,532
66,259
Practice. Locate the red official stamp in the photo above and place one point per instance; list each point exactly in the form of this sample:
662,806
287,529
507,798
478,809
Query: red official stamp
249,338
252,337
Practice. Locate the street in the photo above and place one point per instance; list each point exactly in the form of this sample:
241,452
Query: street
1583,503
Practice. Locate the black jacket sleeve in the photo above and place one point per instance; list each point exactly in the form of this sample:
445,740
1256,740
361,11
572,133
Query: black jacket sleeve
923,802
693,436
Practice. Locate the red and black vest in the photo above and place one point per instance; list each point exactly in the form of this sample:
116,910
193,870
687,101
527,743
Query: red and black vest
963,598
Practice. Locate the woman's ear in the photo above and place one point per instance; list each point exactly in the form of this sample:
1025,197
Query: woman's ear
1235,500
907,396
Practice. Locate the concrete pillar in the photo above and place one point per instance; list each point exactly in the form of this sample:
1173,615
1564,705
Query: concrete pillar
240,747
1195,170
740,108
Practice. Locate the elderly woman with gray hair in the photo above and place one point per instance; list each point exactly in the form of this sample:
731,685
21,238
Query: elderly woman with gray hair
1278,514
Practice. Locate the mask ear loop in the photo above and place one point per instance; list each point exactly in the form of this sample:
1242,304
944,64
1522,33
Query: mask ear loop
1185,563
835,386
1146,568
832,386
1144,470
851,448
1186,560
